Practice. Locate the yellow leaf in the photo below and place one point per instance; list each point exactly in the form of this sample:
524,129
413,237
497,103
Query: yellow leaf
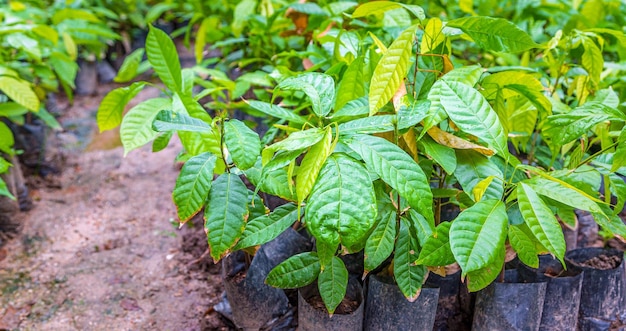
453,141
70,46
433,36
481,187
411,142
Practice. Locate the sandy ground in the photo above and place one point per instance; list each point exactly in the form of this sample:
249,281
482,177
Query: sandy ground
100,250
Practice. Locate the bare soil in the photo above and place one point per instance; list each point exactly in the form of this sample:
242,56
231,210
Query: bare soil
100,250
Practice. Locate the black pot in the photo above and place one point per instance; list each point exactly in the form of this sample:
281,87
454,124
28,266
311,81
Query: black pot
562,301
314,318
255,304
603,295
509,306
387,308
454,306
86,78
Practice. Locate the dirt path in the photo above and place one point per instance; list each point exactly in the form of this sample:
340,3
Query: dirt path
101,252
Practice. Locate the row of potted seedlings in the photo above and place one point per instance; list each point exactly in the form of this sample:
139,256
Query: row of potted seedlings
368,165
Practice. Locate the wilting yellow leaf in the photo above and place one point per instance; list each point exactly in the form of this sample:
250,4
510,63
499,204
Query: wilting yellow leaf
453,141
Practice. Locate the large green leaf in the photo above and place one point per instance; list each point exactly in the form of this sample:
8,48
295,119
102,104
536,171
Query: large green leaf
130,66
225,214
563,193
369,125
479,279
541,220
276,111
193,185
564,128
312,164
391,69
495,34
318,87
408,275
333,283
168,120
163,57
243,144
380,243
524,246
467,75
592,59
275,182
610,222
111,108
267,227
342,204
478,233
469,110
472,168
352,84
136,129
297,271
19,91
436,250
396,168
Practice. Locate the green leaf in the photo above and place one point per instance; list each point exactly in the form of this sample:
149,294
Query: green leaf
19,91
610,222
242,12
396,168
619,158
443,155
494,34
111,108
225,214
297,271
592,60
266,228
312,164
479,279
167,120
276,111
564,128
368,125
408,275
9,109
193,185
199,142
298,140
4,190
436,251
423,227
161,141
379,245
391,69
333,283
469,110
163,57
352,84
356,107
472,168
275,182
478,233
524,246
48,119
318,87
6,139
325,252
563,193
380,7
342,204
130,66
136,129
243,144
541,220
